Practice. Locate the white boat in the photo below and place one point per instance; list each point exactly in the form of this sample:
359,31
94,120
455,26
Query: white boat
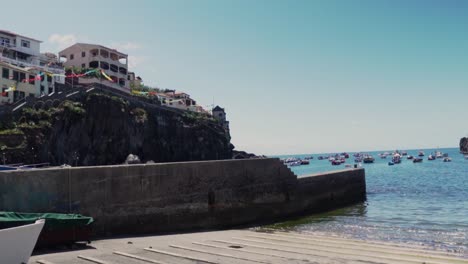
17,243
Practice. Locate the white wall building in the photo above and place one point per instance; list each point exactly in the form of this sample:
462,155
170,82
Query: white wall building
93,56
20,60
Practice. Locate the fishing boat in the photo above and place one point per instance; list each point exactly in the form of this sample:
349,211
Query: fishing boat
438,155
447,159
390,163
421,153
431,157
404,153
336,162
368,159
305,162
396,159
59,229
17,243
409,157
417,160
7,168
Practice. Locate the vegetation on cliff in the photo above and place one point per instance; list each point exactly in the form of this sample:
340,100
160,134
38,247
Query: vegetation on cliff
100,129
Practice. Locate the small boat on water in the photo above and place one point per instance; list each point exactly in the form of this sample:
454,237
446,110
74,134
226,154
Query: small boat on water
421,153
396,159
417,160
447,159
390,163
17,243
368,159
431,157
404,153
305,162
336,162
438,155
409,157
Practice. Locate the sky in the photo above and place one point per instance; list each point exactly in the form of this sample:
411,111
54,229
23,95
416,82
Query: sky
294,76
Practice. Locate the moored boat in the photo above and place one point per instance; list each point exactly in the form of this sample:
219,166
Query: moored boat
421,153
409,157
368,159
447,159
17,243
431,157
59,229
390,163
6,168
417,160
335,162
305,162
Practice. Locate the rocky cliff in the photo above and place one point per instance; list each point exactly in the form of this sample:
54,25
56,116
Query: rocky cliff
100,129
464,145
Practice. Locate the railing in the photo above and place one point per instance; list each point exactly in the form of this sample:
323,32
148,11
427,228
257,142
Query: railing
24,63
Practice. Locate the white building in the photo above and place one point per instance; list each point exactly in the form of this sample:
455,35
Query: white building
92,56
21,62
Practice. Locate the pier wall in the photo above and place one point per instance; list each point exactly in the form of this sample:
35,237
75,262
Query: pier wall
147,198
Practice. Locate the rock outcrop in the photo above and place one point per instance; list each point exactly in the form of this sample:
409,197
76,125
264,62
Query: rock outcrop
464,145
100,129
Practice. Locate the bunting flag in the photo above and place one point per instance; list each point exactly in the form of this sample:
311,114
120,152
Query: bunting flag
106,76
10,89
73,75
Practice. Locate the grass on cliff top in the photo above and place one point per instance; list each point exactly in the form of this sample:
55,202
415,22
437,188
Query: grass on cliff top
14,131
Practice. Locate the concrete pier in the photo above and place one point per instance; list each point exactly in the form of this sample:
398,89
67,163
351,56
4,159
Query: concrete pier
185,196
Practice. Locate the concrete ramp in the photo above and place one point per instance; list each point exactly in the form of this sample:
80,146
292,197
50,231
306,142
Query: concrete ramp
245,246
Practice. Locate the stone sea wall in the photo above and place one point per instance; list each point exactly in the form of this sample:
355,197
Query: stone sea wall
137,199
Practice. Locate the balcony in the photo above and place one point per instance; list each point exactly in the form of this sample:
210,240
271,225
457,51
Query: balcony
29,64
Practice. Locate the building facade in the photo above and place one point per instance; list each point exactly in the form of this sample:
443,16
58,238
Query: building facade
24,70
91,56
220,115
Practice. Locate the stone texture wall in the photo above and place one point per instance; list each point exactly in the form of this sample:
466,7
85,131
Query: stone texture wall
137,199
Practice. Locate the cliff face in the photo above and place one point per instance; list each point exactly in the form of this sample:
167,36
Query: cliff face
464,145
99,129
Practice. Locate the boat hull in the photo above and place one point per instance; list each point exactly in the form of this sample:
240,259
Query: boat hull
17,243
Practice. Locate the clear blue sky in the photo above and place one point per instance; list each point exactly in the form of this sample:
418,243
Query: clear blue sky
294,76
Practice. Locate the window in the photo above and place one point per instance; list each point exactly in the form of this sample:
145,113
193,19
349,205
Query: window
83,54
25,44
15,75
4,41
22,76
72,56
42,88
31,78
83,65
5,73
49,78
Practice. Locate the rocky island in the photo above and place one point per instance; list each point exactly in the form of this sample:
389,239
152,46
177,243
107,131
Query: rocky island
464,145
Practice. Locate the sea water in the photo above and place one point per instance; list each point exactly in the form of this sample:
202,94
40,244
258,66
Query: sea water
420,203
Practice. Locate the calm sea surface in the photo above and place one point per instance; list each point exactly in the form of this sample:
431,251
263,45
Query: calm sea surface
422,203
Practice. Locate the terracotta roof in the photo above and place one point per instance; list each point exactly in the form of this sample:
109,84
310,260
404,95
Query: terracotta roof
6,32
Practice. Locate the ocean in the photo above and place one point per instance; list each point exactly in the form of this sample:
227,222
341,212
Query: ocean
419,203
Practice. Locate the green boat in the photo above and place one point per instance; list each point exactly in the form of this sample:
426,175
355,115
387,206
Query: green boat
59,229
